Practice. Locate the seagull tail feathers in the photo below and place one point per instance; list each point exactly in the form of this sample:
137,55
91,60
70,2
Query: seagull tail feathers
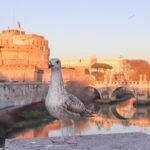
88,113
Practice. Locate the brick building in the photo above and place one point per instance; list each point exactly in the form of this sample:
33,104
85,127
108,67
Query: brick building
23,56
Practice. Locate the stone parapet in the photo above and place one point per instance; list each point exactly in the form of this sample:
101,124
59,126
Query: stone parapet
121,141
21,93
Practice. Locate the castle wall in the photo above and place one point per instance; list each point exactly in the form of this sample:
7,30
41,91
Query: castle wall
21,55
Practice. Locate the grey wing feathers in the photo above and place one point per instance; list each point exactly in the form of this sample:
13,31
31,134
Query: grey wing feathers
73,104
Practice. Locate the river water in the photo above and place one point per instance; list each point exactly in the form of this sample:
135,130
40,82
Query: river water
105,122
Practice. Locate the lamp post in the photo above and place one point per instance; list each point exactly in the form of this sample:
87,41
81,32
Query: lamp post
1,54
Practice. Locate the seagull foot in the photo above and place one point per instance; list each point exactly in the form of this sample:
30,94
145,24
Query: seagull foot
72,141
58,140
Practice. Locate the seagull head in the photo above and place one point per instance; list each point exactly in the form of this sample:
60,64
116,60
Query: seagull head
54,64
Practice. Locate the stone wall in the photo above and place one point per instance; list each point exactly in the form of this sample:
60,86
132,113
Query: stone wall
17,94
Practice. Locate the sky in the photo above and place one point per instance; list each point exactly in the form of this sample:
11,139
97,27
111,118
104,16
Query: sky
82,28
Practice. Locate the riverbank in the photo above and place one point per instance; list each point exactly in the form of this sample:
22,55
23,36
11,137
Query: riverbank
24,117
127,141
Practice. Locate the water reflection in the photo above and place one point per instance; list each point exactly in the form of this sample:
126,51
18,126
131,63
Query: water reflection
136,120
125,109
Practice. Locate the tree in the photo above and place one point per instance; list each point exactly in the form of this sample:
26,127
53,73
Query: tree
101,66
98,66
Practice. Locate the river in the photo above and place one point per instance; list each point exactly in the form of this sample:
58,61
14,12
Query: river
105,122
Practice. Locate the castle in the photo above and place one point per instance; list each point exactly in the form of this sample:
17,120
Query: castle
23,56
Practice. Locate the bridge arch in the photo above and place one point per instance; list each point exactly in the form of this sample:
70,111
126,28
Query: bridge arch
117,89
122,92
96,91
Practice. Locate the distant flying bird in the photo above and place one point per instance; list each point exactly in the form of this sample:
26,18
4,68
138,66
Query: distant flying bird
132,16
62,104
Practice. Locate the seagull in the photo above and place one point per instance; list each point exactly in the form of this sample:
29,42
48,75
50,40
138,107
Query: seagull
132,16
60,103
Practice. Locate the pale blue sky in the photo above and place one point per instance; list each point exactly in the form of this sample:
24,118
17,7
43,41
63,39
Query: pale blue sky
81,28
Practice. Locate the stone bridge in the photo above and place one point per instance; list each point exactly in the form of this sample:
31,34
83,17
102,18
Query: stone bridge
108,91
23,93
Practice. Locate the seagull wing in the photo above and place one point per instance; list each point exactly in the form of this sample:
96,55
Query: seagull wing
74,105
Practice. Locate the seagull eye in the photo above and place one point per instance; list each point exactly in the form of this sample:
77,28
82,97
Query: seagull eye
57,62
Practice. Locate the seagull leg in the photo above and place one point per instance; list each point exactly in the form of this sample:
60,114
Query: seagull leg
62,139
73,139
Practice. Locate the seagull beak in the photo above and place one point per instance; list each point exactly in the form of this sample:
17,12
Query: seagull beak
50,65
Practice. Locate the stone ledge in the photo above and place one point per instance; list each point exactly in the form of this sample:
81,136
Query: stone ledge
127,141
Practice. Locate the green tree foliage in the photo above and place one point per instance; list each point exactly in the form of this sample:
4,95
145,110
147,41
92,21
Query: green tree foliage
98,66
101,66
